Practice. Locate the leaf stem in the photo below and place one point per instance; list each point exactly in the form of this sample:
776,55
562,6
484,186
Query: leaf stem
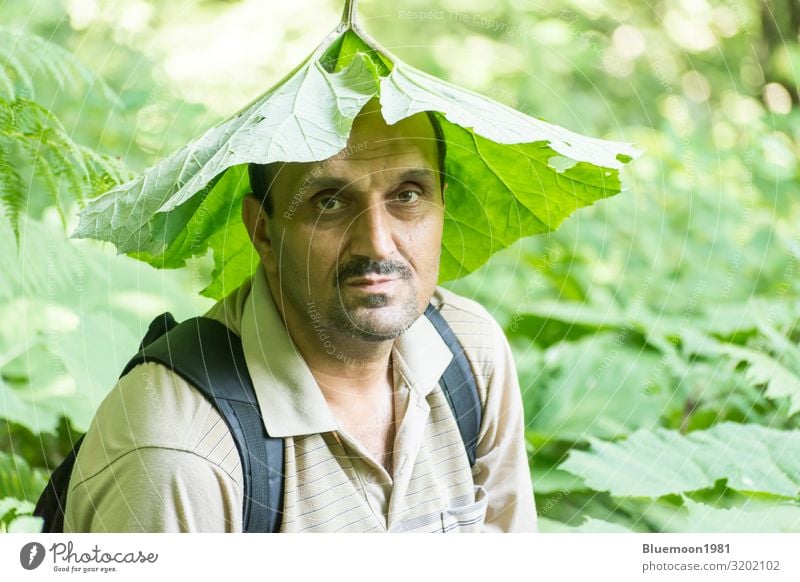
351,21
350,15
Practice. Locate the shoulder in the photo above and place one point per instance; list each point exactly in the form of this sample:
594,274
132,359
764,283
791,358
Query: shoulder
479,334
446,298
470,320
153,408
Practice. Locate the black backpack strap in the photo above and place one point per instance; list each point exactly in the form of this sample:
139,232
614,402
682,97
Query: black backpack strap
458,385
158,327
208,355
52,502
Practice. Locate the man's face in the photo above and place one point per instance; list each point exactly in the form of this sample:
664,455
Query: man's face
356,239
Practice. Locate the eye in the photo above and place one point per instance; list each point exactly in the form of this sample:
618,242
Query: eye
328,203
408,196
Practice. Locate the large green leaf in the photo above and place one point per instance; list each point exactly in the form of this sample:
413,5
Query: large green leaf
305,118
659,462
10,506
15,516
510,175
26,524
598,387
778,373
19,480
73,314
591,525
776,518
763,369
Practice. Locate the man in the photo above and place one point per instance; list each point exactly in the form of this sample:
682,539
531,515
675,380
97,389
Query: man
344,367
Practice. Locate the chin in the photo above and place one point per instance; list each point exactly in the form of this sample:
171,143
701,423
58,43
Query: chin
376,319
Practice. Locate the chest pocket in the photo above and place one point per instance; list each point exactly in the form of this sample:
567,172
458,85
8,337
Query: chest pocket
468,518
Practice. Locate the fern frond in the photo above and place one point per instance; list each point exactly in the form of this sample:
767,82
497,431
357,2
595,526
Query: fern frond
13,198
44,173
40,164
6,85
62,171
21,80
26,57
106,171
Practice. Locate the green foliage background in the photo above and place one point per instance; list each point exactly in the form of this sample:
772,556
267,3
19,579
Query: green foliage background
656,333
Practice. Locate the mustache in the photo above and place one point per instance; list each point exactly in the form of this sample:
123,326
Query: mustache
364,267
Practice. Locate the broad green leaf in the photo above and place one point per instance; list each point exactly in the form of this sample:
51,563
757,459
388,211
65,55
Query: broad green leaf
35,386
704,518
236,260
17,506
15,516
214,214
406,91
549,479
778,374
306,118
659,462
597,387
510,175
19,480
499,165
580,313
26,524
716,514
591,525
720,320
763,369
73,315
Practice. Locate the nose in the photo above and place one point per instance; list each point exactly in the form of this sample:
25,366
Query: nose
372,233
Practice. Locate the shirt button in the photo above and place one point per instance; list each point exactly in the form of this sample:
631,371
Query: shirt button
402,465
373,477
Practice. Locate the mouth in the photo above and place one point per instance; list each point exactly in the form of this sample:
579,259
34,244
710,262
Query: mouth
373,284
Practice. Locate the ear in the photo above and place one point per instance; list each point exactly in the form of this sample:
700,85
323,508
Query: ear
444,187
257,223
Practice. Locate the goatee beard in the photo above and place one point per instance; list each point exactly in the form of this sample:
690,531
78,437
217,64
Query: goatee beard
382,325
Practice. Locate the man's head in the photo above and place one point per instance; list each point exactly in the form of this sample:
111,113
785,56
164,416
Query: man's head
373,211
262,175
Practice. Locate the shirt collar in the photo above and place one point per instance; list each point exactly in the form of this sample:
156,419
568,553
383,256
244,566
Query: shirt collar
290,400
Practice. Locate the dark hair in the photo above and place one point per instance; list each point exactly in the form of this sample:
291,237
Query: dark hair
262,175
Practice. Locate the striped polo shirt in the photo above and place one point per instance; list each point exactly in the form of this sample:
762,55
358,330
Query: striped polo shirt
159,458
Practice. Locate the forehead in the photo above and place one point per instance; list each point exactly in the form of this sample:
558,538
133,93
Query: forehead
373,148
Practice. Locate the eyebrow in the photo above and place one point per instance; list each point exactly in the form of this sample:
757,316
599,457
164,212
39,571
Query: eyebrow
310,183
